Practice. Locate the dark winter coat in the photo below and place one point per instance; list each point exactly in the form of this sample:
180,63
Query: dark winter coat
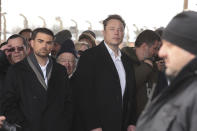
97,92
4,65
27,103
145,76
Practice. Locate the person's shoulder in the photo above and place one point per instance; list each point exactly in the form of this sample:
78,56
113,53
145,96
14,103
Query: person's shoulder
92,50
129,54
128,50
20,65
193,85
90,53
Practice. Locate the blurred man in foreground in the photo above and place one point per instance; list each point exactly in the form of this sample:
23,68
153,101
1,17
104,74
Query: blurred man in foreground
175,109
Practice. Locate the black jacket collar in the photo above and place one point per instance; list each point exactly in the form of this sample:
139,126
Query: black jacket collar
187,73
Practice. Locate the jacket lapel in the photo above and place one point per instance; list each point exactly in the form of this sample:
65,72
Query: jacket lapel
52,86
126,65
109,62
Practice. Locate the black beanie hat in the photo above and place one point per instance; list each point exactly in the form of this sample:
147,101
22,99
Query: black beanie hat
61,36
182,31
67,46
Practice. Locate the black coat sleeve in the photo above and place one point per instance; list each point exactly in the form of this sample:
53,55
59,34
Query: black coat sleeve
4,64
11,98
68,102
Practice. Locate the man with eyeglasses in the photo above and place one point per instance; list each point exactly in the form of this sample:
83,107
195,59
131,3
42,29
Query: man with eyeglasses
15,49
67,56
11,52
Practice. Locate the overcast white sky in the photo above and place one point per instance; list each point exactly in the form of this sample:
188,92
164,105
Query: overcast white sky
149,13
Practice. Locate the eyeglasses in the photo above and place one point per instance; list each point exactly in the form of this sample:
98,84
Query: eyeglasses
16,48
65,60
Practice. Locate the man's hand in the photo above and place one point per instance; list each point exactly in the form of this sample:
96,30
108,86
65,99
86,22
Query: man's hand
2,118
131,128
5,48
149,62
161,65
97,129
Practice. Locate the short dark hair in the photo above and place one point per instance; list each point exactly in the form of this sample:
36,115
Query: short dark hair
41,30
25,30
110,17
18,36
147,36
2,44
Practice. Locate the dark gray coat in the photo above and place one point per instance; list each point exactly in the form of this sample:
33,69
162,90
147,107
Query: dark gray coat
175,109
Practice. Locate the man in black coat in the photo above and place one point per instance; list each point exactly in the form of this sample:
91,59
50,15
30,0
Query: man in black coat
36,96
104,84
11,52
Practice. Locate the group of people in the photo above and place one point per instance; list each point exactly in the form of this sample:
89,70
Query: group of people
48,82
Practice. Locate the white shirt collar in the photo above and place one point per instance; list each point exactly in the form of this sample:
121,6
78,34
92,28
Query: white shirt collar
111,52
44,65
43,68
119,67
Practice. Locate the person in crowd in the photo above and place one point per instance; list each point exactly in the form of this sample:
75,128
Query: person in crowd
60,37
13,51
81,47
88,38
175,108
26,33
16,48
162,81
67,56
104,84
146,46
159,31
90,32
36,96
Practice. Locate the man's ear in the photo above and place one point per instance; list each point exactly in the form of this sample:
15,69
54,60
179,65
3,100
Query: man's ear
144,45
31,43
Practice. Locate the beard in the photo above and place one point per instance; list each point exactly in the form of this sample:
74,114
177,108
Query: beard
146,55
43,53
